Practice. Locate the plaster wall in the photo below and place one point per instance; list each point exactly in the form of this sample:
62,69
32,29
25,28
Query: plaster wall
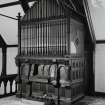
100,68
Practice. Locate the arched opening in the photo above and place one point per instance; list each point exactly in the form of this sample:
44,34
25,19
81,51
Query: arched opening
53,71
14,86
8,87
46,70
40,71
2,89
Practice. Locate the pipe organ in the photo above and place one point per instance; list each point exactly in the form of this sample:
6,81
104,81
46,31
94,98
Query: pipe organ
44,39
48,34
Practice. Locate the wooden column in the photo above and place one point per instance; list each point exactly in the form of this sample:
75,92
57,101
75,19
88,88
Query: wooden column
19,43
19,82
19,34
4,58
11,83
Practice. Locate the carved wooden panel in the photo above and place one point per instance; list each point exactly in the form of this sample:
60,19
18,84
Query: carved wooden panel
51,89
32,70
25,69
53,71
35,87
77,91
41,71
46,71
63,74
77,36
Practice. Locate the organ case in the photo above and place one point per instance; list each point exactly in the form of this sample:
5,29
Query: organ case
51,37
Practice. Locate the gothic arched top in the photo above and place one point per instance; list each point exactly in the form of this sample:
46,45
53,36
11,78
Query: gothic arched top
44,9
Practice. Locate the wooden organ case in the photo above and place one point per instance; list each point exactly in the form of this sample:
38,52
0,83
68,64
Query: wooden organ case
51,38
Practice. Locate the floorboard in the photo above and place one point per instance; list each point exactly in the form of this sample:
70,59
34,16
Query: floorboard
12,100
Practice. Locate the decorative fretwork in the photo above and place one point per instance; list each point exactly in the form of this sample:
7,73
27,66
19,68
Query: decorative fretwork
8,85
77,65
77,91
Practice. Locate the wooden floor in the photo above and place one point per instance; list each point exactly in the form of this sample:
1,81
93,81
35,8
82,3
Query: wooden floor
16,101
91,101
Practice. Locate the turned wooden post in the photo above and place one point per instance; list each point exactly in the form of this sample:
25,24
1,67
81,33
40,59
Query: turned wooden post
16,87
5,87
11,83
